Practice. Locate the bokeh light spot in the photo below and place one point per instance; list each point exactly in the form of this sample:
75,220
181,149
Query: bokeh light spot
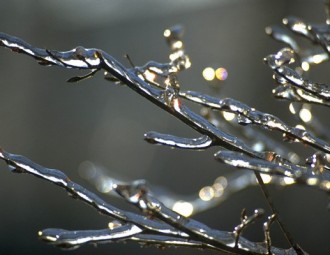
208,73
221,74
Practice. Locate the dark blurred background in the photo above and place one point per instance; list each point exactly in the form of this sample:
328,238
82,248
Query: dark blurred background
61,125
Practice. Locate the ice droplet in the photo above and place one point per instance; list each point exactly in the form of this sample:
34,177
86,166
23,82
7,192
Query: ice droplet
243,120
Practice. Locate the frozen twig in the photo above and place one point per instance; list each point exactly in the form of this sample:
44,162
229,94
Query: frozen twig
167,228
267,226
285,56
248,115
202,142
70,239
21,164
140,197
299,174
168,96
292,85
245,222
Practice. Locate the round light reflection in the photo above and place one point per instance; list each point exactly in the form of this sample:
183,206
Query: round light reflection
208,73
221,74
206,193
305,115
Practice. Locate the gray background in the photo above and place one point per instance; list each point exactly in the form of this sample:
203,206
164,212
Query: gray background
60,125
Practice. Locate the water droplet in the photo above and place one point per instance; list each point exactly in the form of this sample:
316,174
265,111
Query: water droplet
318,161
279,79
285,92
300,127
271,61
173,34
284,56
243,120
289,138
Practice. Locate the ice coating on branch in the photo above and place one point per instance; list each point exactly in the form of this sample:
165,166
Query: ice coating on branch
293,86
168,224
302,175
173,229
202,142
251,116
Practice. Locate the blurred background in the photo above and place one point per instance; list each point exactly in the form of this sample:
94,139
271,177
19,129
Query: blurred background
60,125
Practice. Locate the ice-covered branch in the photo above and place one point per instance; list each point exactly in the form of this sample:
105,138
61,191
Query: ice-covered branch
285,56
163,89
202,142
292,85
166,227
166,98
317,33
140,197
248,115
245,222
70,239
21,164
300,175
